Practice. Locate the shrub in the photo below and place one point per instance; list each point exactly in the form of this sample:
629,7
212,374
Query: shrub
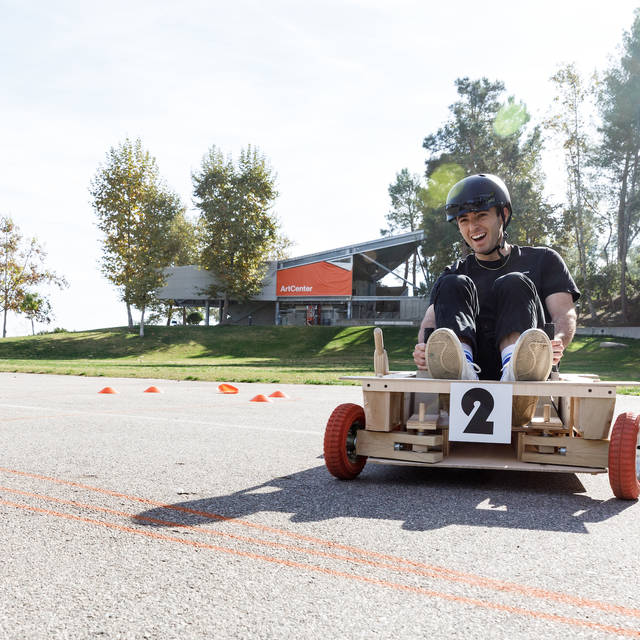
56,330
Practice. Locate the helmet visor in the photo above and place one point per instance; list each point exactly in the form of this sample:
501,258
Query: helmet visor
479,202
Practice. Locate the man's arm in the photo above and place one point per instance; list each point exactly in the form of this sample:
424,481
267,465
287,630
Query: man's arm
428,322
563,315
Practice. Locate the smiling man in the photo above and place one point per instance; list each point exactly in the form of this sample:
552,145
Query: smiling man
489,309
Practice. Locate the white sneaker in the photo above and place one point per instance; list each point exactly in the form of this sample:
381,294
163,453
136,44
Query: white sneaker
532,357
446,359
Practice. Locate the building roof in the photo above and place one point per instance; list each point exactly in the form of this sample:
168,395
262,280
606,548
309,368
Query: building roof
389,251
372,260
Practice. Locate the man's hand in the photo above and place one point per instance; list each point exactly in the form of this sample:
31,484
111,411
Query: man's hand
563,316
428,322
419,356
558,350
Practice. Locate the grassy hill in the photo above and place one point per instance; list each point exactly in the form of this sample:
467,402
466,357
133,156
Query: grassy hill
308,355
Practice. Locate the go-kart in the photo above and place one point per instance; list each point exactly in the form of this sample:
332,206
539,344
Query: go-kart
559,425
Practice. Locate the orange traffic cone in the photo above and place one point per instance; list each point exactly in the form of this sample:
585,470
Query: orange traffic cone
107,390
227,388
152,389
260,398
278,394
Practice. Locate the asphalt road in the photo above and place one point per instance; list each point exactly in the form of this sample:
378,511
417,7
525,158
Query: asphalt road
192,514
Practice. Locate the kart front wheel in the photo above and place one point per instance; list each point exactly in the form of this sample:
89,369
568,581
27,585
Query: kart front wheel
340,441
624,457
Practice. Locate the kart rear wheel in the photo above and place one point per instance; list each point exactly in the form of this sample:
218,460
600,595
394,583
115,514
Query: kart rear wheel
624,460
340,441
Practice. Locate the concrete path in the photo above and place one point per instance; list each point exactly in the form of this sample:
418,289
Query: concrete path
192,514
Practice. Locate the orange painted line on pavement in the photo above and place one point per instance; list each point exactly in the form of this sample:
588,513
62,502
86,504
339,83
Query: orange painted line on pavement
258,541
332,572
443,572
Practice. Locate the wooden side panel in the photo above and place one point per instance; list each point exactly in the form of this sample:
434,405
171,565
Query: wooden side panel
401,437
383,445
579,451
383,410
593,417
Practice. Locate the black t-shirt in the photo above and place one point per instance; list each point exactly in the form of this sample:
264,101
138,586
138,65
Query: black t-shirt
542,265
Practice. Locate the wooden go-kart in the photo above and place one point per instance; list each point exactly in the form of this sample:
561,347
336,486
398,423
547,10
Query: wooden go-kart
559,425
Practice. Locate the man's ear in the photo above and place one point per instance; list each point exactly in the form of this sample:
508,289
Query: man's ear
507,214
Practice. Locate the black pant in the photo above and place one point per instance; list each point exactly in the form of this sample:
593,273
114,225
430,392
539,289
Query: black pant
513,306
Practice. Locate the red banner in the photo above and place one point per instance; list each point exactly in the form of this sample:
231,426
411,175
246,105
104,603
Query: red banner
316,279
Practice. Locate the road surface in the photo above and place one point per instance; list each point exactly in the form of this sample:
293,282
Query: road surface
193,514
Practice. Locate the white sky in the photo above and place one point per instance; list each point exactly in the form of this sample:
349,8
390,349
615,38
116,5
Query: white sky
338,94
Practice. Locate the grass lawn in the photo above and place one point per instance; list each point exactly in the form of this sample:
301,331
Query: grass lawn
296,355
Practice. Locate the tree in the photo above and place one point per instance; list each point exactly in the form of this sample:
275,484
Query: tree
239,230
136,213
619,153
35,307
568,122
443,240
153,254
406,212
182,241
467,138
21,268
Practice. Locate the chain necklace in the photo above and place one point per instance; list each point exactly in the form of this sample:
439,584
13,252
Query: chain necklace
492,268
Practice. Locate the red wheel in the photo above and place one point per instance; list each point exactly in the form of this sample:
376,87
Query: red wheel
340,441
624,460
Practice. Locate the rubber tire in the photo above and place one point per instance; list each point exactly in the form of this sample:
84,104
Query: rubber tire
623,476
338,463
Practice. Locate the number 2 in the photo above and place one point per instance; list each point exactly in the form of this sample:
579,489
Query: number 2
484,401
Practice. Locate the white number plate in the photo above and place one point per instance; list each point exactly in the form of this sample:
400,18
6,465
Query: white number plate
480,412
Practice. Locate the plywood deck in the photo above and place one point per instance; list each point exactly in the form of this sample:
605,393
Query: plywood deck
465,455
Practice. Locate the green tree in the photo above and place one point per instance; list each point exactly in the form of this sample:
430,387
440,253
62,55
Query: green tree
406,213
282,248
619,153
154,254
467,138
136,213
182,247
569,124
35,307
21,268
239,230
485,134
182,241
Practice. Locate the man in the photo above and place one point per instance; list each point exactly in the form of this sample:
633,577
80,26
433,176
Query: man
489,309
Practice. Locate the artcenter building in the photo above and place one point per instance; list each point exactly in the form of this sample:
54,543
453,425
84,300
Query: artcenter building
336,287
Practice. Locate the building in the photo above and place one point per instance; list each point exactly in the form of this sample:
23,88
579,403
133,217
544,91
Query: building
336,287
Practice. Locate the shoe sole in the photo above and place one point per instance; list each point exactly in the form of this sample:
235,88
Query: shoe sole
444,355
533,356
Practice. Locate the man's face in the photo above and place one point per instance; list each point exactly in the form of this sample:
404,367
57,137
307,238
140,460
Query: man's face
480,229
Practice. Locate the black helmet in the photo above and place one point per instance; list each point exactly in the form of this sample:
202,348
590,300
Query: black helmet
478,193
